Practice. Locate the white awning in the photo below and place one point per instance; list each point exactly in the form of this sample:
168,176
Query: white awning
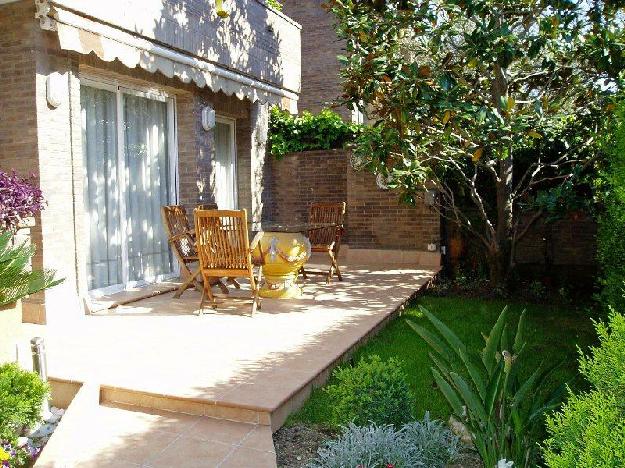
84,36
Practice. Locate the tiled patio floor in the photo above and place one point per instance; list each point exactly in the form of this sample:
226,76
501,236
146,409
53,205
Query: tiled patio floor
112,435
157,353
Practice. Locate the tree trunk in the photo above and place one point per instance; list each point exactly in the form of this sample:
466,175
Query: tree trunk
499,254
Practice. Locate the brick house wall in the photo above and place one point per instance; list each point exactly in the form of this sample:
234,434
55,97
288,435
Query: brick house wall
300,179
375,218
321,84
18,120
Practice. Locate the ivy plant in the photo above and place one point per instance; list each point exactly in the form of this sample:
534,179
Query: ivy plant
307,132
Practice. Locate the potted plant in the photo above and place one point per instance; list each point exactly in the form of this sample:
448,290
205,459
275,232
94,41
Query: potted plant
20,200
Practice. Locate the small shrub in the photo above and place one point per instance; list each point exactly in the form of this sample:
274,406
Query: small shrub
370,446
610,239
604,368
21,396
373,391
424,443
589,430
435,444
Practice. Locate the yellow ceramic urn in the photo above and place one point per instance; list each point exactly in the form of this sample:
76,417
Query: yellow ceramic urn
282,255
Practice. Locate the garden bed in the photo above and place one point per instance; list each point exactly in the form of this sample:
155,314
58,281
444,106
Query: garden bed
553,333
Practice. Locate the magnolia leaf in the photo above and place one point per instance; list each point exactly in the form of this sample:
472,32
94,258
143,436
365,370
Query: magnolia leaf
511,103
446,117
425,71
477,154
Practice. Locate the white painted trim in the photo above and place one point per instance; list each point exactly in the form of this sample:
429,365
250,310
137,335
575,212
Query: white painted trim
121,180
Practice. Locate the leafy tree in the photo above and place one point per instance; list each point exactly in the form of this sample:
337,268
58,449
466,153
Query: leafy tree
457,88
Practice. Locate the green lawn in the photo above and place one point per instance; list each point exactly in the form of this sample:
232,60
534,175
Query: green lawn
553,333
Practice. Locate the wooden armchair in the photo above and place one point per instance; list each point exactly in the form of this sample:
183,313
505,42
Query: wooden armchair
182,241
327,239
224,249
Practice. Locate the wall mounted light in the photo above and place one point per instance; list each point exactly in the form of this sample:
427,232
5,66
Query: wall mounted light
208,118
55,89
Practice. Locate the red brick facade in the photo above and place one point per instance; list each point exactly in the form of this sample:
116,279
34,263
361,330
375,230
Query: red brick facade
375,218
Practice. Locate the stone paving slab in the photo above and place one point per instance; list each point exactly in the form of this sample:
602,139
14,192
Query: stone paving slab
110,435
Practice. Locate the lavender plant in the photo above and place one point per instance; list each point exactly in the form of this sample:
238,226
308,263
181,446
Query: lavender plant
426,443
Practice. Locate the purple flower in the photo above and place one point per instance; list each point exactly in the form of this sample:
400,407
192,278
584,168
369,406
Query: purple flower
20,198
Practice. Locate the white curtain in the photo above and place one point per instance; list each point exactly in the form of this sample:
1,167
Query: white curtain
99,139
147,187
225,167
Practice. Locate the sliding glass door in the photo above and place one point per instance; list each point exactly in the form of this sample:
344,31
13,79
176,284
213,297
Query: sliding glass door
129,174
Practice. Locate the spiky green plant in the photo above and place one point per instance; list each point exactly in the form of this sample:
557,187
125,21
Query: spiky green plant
500,408
16,278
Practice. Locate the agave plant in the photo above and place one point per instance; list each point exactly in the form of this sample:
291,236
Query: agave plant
16,279
500,408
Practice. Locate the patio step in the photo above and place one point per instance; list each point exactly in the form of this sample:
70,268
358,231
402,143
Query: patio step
102,434
193,406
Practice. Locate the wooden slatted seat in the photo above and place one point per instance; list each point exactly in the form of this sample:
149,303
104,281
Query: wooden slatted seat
223,245
182,241
327,239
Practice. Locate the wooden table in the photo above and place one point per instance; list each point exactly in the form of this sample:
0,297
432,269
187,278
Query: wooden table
283,249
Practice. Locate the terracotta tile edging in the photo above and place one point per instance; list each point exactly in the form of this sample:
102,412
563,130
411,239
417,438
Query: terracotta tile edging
316,382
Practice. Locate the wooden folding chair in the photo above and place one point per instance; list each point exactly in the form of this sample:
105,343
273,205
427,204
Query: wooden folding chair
327,239
224,249
182,241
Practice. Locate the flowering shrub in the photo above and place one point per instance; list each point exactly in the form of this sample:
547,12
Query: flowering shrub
19,199
12,456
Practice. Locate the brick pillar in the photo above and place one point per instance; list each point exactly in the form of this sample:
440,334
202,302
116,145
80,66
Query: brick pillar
196,147
259,118
58,151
